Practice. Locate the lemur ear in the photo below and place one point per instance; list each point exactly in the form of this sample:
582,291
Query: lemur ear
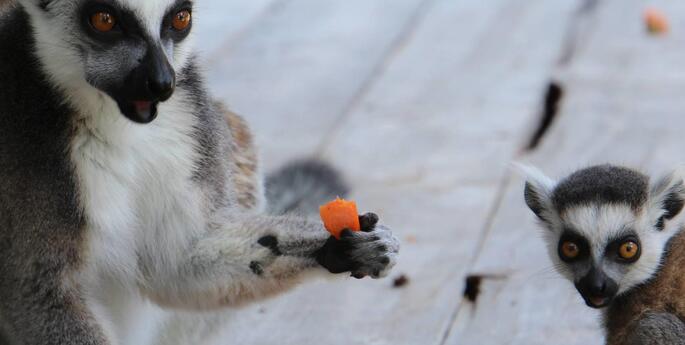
667,198
538,193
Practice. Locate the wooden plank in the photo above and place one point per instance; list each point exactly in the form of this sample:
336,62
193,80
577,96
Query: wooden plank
427,144
622,105
218,23
299,66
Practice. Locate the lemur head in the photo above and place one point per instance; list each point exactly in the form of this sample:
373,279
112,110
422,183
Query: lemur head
122,51
605,226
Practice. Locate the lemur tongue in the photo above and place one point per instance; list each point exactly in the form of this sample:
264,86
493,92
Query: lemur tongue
143,108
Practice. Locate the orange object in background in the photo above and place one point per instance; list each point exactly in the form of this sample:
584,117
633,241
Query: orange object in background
656,21
339,215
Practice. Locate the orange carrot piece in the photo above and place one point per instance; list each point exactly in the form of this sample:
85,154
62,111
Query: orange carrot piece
656,21
339,215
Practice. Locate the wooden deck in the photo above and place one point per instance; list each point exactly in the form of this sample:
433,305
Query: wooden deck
423,104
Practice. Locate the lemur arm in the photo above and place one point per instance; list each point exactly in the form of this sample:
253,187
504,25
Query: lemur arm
656,329
258,256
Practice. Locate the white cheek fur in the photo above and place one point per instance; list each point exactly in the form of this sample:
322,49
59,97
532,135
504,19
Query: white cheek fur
55,40
601,223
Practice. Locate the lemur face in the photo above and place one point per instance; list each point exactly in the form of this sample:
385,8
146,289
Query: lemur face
128,50
605,226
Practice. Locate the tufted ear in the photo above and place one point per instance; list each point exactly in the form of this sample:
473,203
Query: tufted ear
538,193
667,198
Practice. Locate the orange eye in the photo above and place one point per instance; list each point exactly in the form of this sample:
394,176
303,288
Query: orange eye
181,20
628,250
103,21
570,250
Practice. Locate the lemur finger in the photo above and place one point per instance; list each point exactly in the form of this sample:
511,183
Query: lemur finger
376,268
385,236
368,221
361,253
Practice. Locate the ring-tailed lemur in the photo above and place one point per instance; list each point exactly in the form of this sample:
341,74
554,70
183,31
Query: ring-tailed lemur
608,232
124,188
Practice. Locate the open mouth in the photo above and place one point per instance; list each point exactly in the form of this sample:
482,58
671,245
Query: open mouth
597,301
140,111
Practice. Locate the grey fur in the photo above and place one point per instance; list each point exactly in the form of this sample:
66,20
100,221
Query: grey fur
41,226
234,255
601,184
657,329
598,209
300,187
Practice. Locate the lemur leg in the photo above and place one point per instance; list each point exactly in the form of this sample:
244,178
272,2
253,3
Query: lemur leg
259,256
656,329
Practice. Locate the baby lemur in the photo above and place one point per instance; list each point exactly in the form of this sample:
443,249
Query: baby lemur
608,232
127,193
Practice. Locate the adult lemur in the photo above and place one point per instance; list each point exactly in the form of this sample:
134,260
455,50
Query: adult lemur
608,231
124,188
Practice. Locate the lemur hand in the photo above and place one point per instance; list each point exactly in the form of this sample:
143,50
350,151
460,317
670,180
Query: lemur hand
370,252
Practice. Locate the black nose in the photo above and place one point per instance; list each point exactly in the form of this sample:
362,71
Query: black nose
597,287
161,87
160,76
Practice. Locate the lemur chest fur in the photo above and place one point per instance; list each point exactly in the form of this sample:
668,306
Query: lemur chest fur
135,187
141,208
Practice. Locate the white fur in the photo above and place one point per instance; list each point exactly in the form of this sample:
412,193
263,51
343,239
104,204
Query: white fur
64,66
153,239
151,13
135,185
599,223
161,213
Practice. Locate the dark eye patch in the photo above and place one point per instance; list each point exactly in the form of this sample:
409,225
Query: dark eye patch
127,24
168,31
612,249
580,241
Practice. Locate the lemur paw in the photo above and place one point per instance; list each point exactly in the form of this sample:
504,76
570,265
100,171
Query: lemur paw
370,252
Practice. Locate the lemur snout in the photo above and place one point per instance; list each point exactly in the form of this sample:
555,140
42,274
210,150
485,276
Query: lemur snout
161,78
152,82
597,289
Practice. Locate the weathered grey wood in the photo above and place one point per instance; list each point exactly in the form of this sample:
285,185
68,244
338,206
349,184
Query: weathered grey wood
218,23
426,147
623,104
299,66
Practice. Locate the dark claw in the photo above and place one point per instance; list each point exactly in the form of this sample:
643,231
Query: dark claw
358,275
385,260
376,272
368,222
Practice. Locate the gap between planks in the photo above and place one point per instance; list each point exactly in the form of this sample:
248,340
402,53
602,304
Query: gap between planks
485,231
395,47
578,27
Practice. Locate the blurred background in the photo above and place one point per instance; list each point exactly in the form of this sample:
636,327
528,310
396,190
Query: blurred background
423,104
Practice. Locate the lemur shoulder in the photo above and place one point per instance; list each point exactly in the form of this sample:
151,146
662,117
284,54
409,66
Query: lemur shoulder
656,308
127,193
